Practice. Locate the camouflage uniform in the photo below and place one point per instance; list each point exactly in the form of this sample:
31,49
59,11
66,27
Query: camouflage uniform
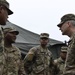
60,62
3,19
2,58
38,61
70,59
13,61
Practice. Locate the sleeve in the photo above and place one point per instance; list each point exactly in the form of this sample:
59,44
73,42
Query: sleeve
56,68
2,58
30,55
21,69
28,60
51,59
53,67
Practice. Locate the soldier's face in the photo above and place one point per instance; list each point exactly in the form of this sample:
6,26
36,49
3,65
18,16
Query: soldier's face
44,41
63,55
3,15
10,36
64,28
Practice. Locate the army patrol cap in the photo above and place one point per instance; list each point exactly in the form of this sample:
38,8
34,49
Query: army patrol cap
44,35
65,18
10,29
6,5
64,49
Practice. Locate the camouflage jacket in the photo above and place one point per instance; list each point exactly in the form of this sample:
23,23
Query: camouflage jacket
70,60
60,63
2,58
13,63
38,61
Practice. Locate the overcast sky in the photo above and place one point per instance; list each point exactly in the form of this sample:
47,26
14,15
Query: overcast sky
41,15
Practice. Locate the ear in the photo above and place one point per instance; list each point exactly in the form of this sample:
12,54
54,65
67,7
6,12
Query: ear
69,23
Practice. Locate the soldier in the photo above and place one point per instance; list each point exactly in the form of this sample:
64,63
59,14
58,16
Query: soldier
38,60
13,65
60,62
67,27
4,12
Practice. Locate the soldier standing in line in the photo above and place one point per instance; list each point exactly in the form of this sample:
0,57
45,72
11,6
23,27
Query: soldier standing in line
13,62
38,60
60,62
4,12
67,27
